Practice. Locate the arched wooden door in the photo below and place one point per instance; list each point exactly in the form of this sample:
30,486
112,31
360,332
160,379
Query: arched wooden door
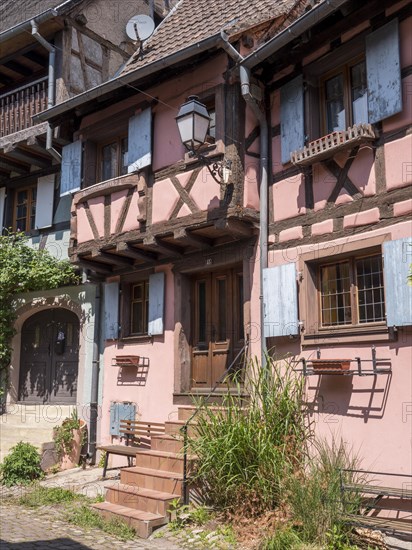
49,359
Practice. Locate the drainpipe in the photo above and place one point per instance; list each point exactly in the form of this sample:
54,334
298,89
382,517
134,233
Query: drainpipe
50,87
94,394
264,225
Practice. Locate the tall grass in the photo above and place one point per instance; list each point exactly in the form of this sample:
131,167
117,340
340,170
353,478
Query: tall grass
246,453
314,493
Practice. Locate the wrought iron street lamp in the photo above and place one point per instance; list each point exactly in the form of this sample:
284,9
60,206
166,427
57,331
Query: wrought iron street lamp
193,123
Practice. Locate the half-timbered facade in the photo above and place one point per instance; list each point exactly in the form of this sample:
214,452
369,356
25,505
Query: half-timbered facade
51,51
309,105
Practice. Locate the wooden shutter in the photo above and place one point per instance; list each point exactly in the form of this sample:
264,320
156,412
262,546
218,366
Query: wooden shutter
397,258
292,122
2,204
140,141
383,72
71,176
44,202
156,303
111,311
280,299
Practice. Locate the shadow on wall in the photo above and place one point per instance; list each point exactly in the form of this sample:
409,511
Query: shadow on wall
134,375
336,396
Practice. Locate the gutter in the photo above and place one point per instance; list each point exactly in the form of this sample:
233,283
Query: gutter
50,85
264,168
302,24
26,25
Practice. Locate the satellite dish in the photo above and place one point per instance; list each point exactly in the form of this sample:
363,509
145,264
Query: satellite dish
140,27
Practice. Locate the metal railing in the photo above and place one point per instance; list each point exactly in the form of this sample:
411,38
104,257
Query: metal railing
18,106
184,429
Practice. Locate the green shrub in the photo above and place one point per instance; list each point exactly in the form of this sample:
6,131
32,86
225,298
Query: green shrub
246,453
49,496
83,516
282,539
63,434
21,466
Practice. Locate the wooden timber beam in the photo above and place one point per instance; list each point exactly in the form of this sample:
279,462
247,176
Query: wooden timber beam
112,259
130,251
164,247
185,237
234,227
37,58
7,163
92,266
18,68
19,154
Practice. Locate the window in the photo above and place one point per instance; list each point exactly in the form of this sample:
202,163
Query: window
139,308
345,97
351,292
25,209
113,159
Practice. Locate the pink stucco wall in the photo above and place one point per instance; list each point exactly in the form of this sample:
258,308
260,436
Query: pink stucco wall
372,414
152,388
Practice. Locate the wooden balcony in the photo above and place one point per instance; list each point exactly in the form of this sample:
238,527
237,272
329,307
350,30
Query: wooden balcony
18,106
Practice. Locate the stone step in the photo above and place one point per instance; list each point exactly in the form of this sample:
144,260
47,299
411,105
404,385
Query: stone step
169,443
173,427
157,480
160,460
138,498
143,522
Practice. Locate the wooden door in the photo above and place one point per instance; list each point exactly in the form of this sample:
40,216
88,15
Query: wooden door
49,357
217,325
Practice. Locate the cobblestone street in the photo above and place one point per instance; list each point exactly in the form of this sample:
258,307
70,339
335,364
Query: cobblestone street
25,529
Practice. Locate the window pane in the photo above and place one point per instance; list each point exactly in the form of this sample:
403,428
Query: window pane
369,279
137,318
335,106
335,294
139,308
124,157
359,93
212,123
109,161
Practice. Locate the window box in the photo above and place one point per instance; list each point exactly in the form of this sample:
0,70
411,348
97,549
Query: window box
331,365
327,146
126,361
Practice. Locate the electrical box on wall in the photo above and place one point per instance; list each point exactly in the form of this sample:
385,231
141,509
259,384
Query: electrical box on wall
124,410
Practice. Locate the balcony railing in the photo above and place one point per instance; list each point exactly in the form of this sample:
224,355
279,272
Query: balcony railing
18,106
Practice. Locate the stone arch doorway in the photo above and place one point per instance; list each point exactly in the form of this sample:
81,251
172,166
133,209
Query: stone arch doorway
49,360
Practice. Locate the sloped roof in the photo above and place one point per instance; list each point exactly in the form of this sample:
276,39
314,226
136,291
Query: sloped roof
14,12
192,21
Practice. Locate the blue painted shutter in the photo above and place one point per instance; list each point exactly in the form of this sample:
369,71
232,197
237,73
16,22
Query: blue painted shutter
71,177
156,303
2,204
397,258
383,72
111,311
292,122
140,141
120,411
44,202
280,299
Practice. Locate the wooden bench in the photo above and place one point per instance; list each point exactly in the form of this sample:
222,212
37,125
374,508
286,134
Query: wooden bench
137,435
372,496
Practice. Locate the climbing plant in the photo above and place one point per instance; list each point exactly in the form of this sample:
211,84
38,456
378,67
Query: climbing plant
22,269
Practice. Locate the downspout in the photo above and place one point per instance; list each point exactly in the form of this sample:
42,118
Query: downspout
263,225
94,393
50,87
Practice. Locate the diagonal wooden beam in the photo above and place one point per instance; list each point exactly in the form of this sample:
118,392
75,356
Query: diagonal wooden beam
112,259
341,175
92,266
188,188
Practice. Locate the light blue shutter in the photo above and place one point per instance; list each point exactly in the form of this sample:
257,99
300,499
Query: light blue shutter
156,303
280,299
2,203
139,152
397,258
292,122
111,311
383,72
71,177
118,412
44,202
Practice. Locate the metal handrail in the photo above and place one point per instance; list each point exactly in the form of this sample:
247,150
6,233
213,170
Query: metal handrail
185,428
